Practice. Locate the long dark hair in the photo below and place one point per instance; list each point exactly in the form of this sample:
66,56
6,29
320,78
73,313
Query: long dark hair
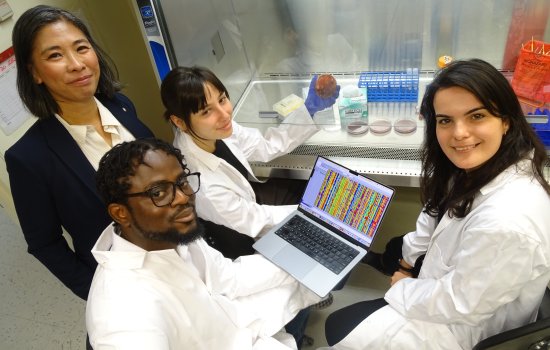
182,92
36,97
444,186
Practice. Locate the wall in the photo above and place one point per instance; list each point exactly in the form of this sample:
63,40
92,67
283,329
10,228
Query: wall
115,27
400,217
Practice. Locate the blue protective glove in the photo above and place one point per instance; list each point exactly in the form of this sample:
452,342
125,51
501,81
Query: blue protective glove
545,111
314,103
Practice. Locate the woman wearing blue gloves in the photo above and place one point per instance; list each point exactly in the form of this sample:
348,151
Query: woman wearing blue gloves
198,104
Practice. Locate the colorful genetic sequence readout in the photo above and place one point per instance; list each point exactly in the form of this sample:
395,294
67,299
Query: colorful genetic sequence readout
356,205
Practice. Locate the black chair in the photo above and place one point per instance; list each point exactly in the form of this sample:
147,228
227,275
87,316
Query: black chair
533,336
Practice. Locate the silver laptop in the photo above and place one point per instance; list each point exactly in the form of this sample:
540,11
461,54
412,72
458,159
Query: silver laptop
336,222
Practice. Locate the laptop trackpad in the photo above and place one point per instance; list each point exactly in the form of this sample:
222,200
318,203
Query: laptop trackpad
292,260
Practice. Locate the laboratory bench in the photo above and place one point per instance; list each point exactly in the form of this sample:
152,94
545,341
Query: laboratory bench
389,154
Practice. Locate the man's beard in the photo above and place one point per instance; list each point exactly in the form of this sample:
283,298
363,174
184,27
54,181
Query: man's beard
173,235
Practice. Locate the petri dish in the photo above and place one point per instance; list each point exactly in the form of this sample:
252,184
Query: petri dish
357,127
404,127
380,127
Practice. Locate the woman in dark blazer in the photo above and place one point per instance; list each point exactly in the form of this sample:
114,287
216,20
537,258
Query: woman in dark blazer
65,80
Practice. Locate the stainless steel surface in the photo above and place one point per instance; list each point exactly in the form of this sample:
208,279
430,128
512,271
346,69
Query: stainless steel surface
392,172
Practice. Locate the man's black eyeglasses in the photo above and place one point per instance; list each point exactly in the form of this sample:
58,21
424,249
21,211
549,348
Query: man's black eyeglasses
163,194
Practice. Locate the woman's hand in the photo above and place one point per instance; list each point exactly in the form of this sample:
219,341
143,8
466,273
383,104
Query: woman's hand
399,275
404,271
314,102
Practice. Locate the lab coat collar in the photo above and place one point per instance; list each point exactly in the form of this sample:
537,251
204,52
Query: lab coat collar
190,149
114,252
499,181
521,167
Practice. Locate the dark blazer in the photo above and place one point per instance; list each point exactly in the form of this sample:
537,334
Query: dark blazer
53,186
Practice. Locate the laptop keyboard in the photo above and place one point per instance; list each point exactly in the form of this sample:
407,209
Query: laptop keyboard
329,251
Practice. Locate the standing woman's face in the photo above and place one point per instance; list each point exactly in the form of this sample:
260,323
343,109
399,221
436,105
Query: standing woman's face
468,134
65,62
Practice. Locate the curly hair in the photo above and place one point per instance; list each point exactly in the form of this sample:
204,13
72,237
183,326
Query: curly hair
445,187
120,163
37,97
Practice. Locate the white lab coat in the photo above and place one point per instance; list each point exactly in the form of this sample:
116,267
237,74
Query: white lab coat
192,298
483,274
226,197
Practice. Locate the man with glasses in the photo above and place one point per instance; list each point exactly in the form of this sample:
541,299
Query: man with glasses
158,284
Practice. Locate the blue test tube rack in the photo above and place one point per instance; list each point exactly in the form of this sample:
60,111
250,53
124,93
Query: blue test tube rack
390,86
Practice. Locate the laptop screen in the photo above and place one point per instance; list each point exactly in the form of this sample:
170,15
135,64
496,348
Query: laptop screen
349,202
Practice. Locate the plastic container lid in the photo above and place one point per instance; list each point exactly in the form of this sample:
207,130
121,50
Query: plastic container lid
357,127
405,126
380,127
